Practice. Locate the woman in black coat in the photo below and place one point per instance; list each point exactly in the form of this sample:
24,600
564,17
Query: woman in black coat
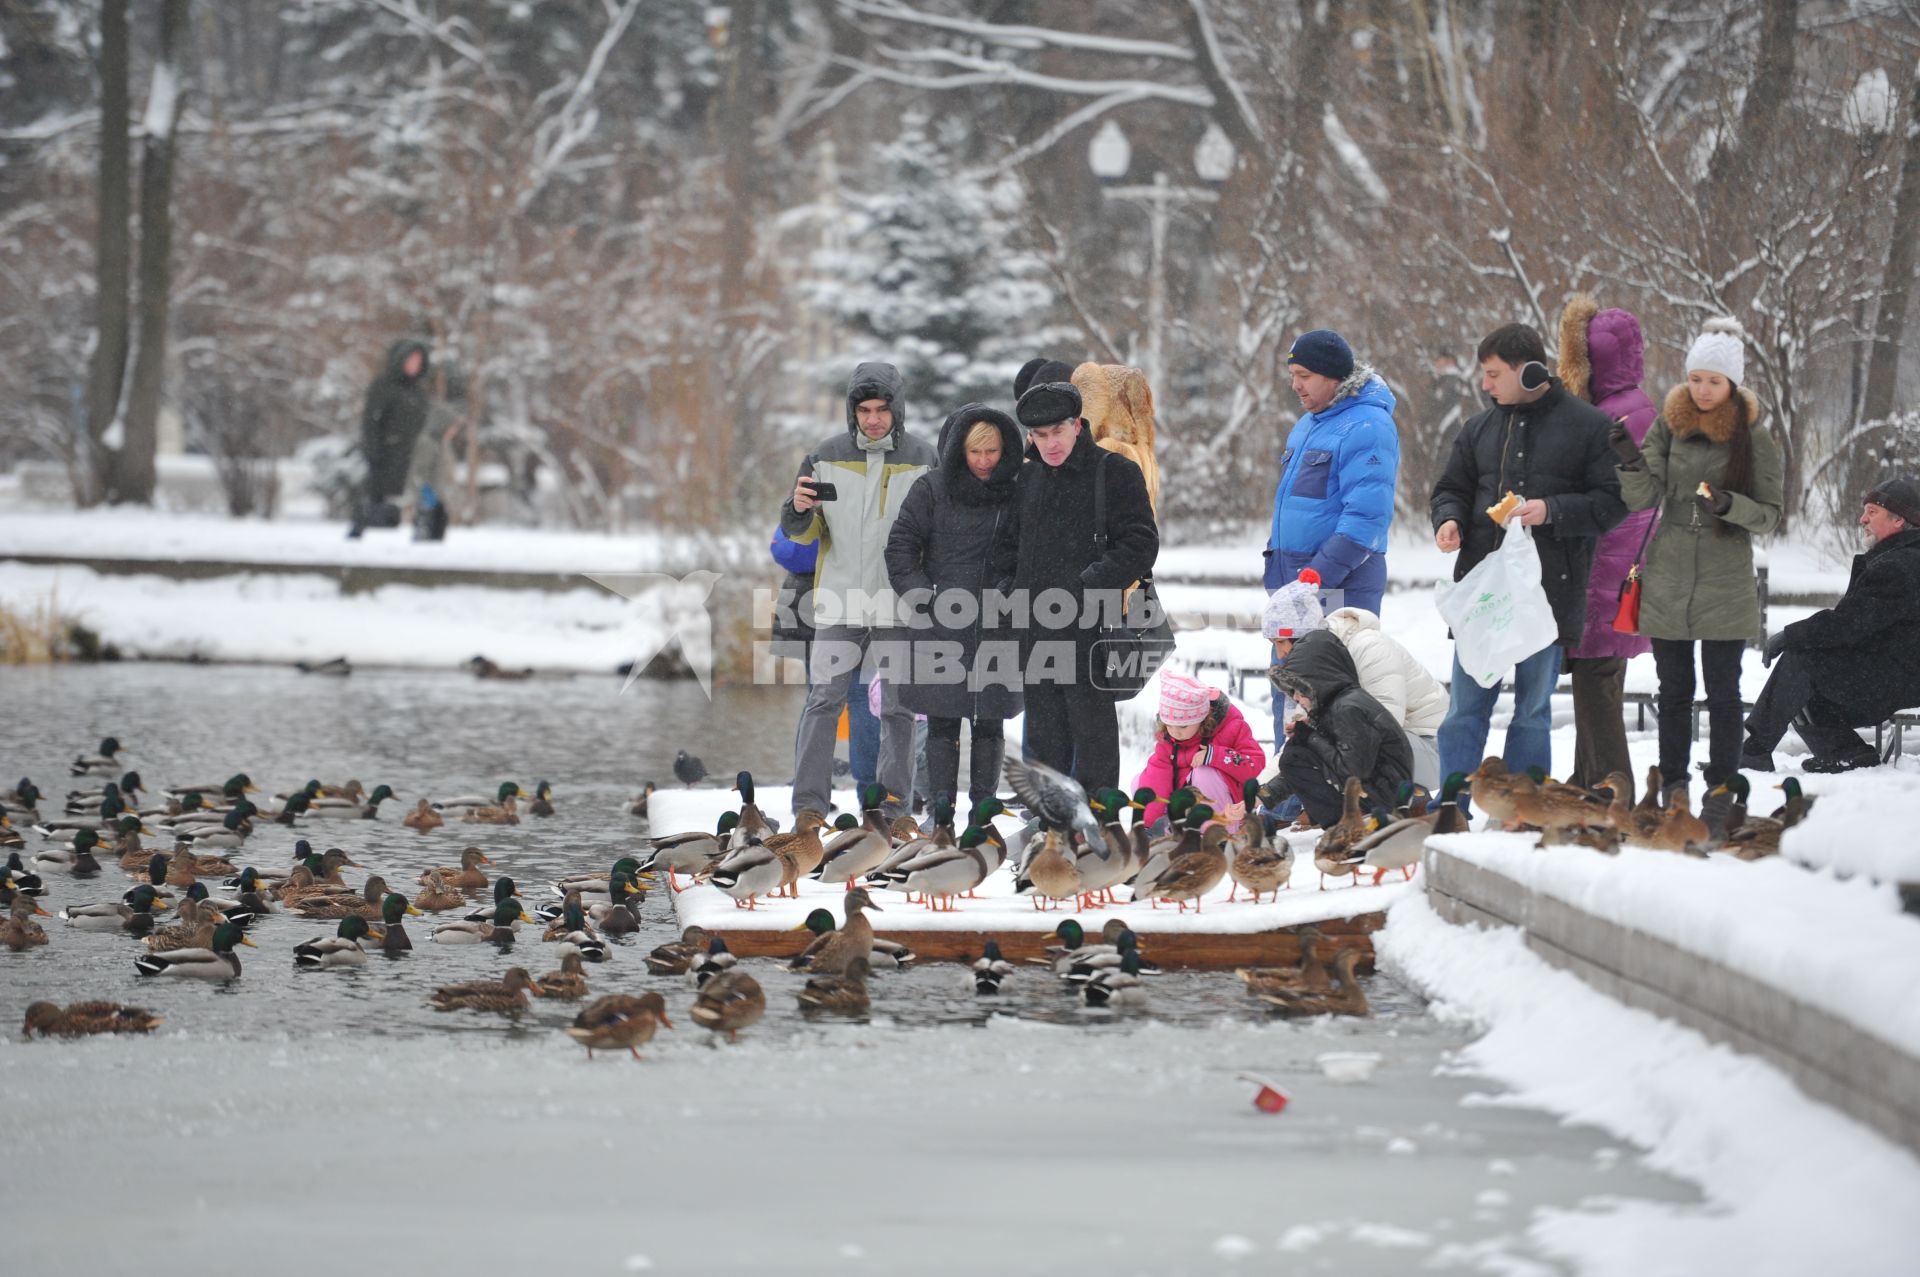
941,546
1345,733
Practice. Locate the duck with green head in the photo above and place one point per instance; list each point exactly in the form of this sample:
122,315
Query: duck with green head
542,804
753,825
1257,863
505,891
76,858
502,929
216,963
104,816
691,853
852,855
104,763
460,804
351,808
1119,986
886,955
990,970
943,874
341,949
392,934
573,933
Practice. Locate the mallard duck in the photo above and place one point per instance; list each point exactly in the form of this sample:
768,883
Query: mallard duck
215,963
249,896
748,873
1334,854
1344,997
24,798
1052,872
135,917
9,836
20,931
464,803
184,860
507,995
573,932
468,876
842,994
637,805
25,881
1797,804
728,1003
504,927
1057,801
506,812
351,808
1307,976
1497,791
423,817
677,958
800,850
341,949
944,872
850,856
392,935
504,891
1194,870
437,895
569,983
63,828
1601,838
716,959
990,970
107,800
1090,960
193,924
1119,986
226,791
1678,829
1256,863
754,825
297,806
830,953
366,905
1401,844
1160,850
939,837
233,830
1073,946
887,955
619,1020
1552,804
75,858
84,1019
691,853
542,804
104,763
126,787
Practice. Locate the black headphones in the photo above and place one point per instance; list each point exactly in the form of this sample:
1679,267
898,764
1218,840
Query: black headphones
1534,375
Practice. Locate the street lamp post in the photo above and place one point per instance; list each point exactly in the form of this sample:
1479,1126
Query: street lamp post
1109,155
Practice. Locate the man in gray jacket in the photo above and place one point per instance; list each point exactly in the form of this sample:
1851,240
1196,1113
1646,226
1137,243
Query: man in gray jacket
848,491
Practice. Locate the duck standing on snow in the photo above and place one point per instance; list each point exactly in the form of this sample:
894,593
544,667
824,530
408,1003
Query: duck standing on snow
691,853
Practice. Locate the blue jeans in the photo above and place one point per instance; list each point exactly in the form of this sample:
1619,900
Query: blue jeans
1463,734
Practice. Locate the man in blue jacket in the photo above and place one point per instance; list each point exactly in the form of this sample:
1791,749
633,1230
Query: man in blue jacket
1334,504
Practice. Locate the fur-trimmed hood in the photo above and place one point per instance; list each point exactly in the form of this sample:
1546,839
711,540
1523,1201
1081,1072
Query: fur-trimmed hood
1683,418
1117,404
1602,352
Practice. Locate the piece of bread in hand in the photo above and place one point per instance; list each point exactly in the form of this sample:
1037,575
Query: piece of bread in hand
1704,490
1501,510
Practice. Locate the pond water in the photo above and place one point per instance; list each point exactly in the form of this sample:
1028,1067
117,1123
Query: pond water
1406,1169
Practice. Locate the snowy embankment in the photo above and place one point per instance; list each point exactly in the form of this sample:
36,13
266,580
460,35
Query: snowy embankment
998,909
1799,1187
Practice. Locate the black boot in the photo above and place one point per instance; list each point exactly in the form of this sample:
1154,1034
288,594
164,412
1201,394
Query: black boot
983,769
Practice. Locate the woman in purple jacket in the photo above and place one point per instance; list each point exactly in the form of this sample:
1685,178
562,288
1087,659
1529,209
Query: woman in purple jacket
1601,361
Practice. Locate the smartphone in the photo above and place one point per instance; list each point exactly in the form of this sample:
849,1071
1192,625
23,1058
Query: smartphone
823,491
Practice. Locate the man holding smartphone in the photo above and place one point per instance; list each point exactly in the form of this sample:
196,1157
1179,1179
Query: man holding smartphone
848,491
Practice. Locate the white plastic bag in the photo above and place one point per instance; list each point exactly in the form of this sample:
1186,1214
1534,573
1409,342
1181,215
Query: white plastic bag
1499,612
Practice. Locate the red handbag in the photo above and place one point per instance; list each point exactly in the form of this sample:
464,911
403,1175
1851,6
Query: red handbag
1626,617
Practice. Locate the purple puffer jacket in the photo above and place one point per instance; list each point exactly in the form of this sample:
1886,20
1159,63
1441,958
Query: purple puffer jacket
1614,346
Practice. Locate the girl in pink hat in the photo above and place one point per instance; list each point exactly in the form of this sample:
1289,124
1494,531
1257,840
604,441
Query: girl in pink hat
1201,740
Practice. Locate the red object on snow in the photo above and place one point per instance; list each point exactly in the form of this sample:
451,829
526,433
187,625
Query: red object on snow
1269,1098
1309,576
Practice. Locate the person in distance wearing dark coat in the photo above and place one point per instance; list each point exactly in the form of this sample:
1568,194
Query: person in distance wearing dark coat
1857,663
941,546
1054,551
390,423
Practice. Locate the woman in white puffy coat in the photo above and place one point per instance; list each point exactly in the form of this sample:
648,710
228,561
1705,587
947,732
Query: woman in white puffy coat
1402,685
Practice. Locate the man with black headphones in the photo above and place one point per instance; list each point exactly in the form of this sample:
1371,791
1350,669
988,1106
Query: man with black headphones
1550,449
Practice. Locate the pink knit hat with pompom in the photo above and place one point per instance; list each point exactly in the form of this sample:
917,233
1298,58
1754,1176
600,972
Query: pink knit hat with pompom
1184,700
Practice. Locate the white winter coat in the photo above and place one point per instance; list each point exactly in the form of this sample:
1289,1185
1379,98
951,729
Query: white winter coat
1388,672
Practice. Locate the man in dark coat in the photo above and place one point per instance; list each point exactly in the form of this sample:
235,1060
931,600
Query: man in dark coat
390,424
939,560
1070,574
1857,663
1346,732
1550,448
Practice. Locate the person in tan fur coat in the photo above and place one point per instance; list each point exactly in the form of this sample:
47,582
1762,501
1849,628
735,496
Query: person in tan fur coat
1117,403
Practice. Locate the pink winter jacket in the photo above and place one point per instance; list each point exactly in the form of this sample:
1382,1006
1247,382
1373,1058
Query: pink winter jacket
1225,743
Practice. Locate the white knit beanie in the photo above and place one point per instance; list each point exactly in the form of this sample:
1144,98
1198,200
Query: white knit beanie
1294,609
1720,347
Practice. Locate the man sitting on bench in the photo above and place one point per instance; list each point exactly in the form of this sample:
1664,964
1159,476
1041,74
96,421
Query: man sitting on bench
1857,663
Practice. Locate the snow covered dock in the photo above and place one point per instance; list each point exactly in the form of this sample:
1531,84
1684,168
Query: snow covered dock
1221,933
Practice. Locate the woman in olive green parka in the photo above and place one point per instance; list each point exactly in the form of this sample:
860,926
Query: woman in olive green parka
1716,476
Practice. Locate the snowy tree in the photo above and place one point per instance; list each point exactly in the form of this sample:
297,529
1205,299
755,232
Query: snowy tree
932,277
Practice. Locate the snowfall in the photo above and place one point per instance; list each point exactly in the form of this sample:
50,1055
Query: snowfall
1018,1146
